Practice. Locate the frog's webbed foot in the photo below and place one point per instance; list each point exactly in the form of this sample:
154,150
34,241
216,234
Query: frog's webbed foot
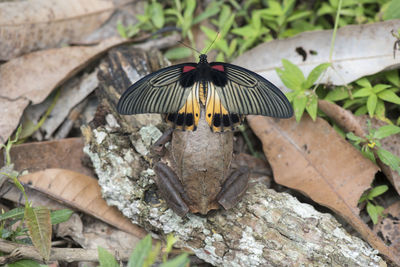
159,146
234,188
171,189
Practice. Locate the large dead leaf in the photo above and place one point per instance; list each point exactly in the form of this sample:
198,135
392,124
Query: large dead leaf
369,46
38,156
37,24
34,76
358,125
81,192
312,158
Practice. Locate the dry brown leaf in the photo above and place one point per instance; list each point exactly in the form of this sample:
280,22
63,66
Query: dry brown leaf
312,158
389,226
37,24
358,125
63,154
81,192
91,233
34,76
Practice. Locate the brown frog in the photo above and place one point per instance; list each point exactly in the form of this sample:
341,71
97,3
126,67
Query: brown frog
195,173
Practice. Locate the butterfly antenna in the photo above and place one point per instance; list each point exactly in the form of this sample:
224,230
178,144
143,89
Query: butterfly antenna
189,47
216,37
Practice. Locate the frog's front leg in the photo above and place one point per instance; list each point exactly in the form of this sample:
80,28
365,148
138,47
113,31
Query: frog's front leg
234,188
171,189
159,145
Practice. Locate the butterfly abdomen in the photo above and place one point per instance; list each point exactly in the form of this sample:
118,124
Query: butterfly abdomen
203,91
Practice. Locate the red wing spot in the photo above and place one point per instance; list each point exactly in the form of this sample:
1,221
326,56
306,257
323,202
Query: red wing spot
218,67
188,68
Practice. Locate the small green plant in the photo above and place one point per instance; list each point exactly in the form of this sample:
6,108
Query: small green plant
371,147
38,220
302,96
374,210
145,255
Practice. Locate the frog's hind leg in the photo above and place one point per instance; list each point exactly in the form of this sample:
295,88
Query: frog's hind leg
171,189
234,188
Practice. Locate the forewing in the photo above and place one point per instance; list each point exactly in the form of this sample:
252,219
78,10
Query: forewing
163,91
170,90
245,92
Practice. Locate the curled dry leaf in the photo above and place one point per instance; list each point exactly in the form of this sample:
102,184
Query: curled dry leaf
31,78
81,192
312,158
376,54
37,24
63,154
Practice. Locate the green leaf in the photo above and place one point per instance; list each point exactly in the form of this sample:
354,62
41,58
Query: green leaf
393,10
24,263
363,198
297,15
363,92
141,252
380,109
389,96
361,111
59,216
363,82
299,104
312,106
189,10
157,15
106,259
386,131
39,226
393,77
178,53
291,75
179,261
314,75
152,255
210,11
371,104
377,191
245,31
337,94
372,212
351,136
389,159
16,214
121,30
380,87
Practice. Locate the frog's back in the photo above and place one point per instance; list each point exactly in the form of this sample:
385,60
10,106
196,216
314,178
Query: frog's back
205,158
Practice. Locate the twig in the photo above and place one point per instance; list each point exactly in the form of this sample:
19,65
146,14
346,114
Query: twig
57,254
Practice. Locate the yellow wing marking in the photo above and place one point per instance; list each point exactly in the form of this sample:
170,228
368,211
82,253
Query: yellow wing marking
217,116
188,116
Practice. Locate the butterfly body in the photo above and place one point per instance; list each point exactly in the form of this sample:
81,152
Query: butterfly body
204,102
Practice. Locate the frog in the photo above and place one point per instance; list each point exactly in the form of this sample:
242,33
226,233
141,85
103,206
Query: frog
194,173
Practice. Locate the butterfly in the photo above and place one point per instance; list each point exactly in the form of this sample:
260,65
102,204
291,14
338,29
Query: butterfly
223,92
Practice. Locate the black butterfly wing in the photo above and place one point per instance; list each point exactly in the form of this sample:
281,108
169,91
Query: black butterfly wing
170,90
236,91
